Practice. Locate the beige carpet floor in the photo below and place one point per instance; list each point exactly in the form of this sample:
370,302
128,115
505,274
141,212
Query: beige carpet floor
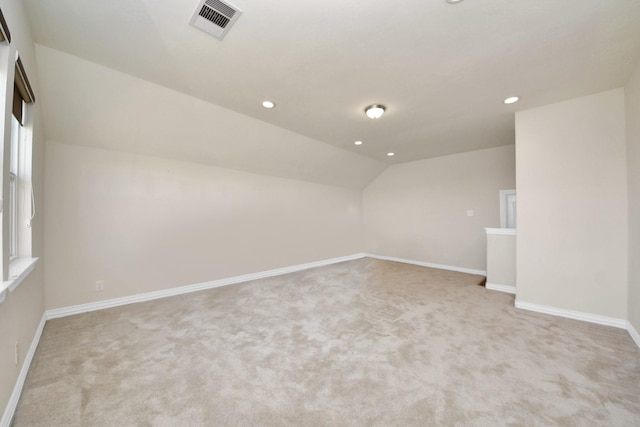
361,343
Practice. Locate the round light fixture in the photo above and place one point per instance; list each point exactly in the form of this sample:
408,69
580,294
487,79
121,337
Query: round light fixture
375,111
268,104
511,100
358,142
391,154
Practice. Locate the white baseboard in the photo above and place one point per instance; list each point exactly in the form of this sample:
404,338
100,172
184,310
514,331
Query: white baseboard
100,305
510,289
570,314
634,333
10,409
428,264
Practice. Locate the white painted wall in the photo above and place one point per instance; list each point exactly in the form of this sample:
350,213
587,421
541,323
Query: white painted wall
143,224
418,210
91,105
632,98
22,310
501,259
572,205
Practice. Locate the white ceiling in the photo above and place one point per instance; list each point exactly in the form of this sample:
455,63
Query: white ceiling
442,70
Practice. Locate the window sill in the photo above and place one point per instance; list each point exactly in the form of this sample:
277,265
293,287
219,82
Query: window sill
19,269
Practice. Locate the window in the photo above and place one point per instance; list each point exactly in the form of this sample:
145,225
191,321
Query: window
19,176
16,193
18,205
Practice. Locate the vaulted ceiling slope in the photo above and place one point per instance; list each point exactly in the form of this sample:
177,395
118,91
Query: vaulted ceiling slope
441,69
88,104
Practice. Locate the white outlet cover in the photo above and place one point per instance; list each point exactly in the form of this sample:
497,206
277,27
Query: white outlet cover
470,213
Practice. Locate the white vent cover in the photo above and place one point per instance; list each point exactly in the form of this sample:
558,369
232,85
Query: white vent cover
215,17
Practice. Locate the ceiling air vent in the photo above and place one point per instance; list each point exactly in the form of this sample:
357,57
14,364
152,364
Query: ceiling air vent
215,17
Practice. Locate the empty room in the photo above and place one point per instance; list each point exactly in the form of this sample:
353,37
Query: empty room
296,213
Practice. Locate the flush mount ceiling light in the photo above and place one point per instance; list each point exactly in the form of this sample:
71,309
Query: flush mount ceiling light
375,111
391,154
358,142
511,100
454,1
268,104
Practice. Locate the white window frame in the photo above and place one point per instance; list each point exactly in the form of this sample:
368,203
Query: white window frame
13,216
16,181
12,205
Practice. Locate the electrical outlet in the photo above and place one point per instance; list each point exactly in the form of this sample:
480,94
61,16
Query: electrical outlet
17,353
470,213
99,285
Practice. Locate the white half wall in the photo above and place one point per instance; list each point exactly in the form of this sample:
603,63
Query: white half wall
418,210
572,205
144,224
501,258
632,98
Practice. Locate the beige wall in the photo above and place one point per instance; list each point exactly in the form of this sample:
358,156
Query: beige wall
144,224
22,310
632,97
418,210
572,205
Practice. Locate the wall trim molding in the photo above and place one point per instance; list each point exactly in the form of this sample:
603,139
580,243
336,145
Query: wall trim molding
500,231
509,289
571,314
149,296
634,333
10,409
427,264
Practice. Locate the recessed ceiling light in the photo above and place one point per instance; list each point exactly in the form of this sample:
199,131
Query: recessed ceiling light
358,142
391,154
454,1
268,104
511,100
375,111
